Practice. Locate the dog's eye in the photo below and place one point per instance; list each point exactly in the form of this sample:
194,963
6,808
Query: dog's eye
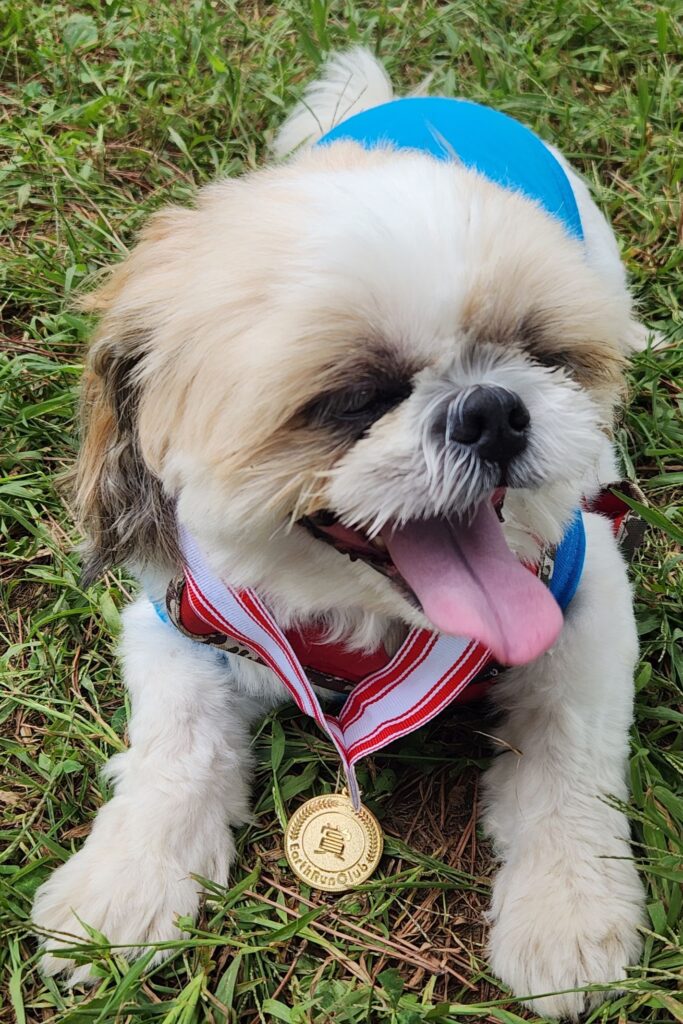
357,407
582,366
360,402
553,361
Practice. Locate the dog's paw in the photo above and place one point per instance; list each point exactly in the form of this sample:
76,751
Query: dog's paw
564,929
128,889
128,902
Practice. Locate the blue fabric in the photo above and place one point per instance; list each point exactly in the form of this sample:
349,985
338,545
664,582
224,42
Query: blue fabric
570,555
492,143
160,609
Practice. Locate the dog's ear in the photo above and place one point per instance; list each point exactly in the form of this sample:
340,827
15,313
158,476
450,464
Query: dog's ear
126,516
122,508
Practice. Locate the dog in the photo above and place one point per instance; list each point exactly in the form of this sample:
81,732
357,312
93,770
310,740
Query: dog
377,338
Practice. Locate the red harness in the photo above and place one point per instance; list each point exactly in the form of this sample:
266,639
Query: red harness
333,661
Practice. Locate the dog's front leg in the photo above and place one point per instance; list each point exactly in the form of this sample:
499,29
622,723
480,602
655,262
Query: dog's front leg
567,901
177,790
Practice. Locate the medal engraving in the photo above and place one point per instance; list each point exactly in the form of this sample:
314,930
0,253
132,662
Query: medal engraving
330,846
333,840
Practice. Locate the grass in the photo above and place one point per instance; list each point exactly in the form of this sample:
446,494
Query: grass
111,108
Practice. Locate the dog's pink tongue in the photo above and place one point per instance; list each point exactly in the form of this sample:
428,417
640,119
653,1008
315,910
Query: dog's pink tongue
469,583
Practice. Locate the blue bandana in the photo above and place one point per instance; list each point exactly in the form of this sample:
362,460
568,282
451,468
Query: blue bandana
489,142
570,555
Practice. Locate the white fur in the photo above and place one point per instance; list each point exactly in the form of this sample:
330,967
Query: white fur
567,902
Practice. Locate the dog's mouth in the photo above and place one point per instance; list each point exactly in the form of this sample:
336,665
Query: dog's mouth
462,575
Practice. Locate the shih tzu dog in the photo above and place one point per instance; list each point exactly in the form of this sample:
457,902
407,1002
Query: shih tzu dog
403,341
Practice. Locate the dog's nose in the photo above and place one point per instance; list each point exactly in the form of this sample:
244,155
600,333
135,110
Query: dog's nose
492,421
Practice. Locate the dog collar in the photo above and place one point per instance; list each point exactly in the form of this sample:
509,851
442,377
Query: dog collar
485,140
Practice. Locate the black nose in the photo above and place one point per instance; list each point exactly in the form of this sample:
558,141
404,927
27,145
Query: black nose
491,421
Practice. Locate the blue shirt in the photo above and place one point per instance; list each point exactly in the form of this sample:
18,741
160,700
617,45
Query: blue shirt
483,139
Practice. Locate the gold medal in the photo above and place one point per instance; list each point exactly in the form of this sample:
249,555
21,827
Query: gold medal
330,846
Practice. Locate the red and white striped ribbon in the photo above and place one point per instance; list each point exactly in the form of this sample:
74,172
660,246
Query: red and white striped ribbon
425,675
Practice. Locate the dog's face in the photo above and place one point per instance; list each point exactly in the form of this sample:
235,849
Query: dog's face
340,375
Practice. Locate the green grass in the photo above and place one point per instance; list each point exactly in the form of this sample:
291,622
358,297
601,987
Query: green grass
111,108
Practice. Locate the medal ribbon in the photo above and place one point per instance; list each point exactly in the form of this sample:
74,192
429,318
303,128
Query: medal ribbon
424,676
